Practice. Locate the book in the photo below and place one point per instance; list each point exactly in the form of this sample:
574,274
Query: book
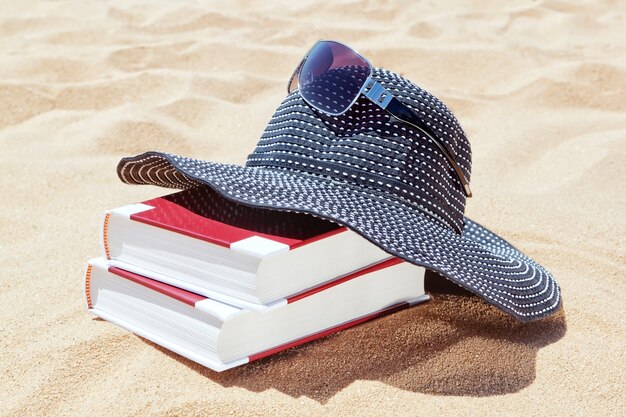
221,336
204,243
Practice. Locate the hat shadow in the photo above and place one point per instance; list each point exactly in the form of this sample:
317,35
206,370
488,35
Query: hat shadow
455,344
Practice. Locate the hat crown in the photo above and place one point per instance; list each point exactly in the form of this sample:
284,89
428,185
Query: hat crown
367,148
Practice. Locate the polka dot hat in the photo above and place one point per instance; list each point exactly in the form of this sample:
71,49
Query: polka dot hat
379,177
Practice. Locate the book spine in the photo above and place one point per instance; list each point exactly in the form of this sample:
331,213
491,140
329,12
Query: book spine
111,222
105,235
88,285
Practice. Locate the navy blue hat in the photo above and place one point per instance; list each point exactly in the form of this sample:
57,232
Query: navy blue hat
381,178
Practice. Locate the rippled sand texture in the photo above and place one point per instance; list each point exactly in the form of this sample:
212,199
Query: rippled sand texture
538,85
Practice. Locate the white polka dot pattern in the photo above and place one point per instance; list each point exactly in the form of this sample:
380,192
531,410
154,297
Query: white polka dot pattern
361,171
365,147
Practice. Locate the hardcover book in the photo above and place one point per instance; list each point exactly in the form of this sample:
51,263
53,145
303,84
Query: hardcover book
199,241
221,336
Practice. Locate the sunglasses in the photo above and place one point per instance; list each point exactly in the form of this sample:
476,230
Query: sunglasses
332,76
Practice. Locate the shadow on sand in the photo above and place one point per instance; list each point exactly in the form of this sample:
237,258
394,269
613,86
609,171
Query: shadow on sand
455,344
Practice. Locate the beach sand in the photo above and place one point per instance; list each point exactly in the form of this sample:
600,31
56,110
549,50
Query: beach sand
539,87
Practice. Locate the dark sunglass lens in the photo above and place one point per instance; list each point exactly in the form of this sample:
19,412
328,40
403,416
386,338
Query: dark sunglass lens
332,77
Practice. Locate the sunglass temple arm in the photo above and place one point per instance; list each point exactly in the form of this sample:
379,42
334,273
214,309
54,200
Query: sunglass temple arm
377,94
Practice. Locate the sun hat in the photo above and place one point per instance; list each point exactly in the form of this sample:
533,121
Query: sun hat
383,179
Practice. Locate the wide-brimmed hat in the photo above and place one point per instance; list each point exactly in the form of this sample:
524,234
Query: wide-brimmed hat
379,177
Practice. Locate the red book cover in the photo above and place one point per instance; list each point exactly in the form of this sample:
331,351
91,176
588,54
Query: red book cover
203,214
179,294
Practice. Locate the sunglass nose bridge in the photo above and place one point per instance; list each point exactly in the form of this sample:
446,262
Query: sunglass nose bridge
376,93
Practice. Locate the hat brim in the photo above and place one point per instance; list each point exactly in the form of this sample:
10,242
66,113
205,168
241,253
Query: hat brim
477,259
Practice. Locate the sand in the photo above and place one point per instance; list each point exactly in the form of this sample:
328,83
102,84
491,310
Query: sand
539,87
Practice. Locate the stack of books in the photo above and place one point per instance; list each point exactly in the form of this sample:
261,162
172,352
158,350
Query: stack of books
223,283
